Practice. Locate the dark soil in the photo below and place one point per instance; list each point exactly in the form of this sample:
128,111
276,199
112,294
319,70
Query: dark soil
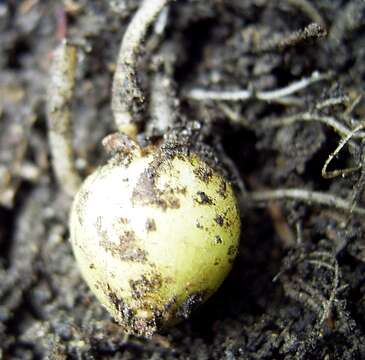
297,289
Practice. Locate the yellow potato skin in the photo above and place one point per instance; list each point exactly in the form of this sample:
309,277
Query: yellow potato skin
154,237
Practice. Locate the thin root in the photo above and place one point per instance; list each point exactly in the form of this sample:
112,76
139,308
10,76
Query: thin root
333,101
278,95
330,121
331,174
311,297
306,196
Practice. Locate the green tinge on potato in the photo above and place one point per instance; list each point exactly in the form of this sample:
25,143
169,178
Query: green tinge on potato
154,237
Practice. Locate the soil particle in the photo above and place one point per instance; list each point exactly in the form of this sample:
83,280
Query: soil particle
204,173
218,239
146,285
190,304
203,199
222,191
232,251
125,312
146,192
127,249
128,318
219,220
151,225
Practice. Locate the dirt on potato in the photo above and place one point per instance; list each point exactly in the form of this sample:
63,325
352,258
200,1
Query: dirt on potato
272,93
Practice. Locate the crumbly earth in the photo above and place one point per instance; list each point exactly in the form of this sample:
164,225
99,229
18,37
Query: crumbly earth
314,308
